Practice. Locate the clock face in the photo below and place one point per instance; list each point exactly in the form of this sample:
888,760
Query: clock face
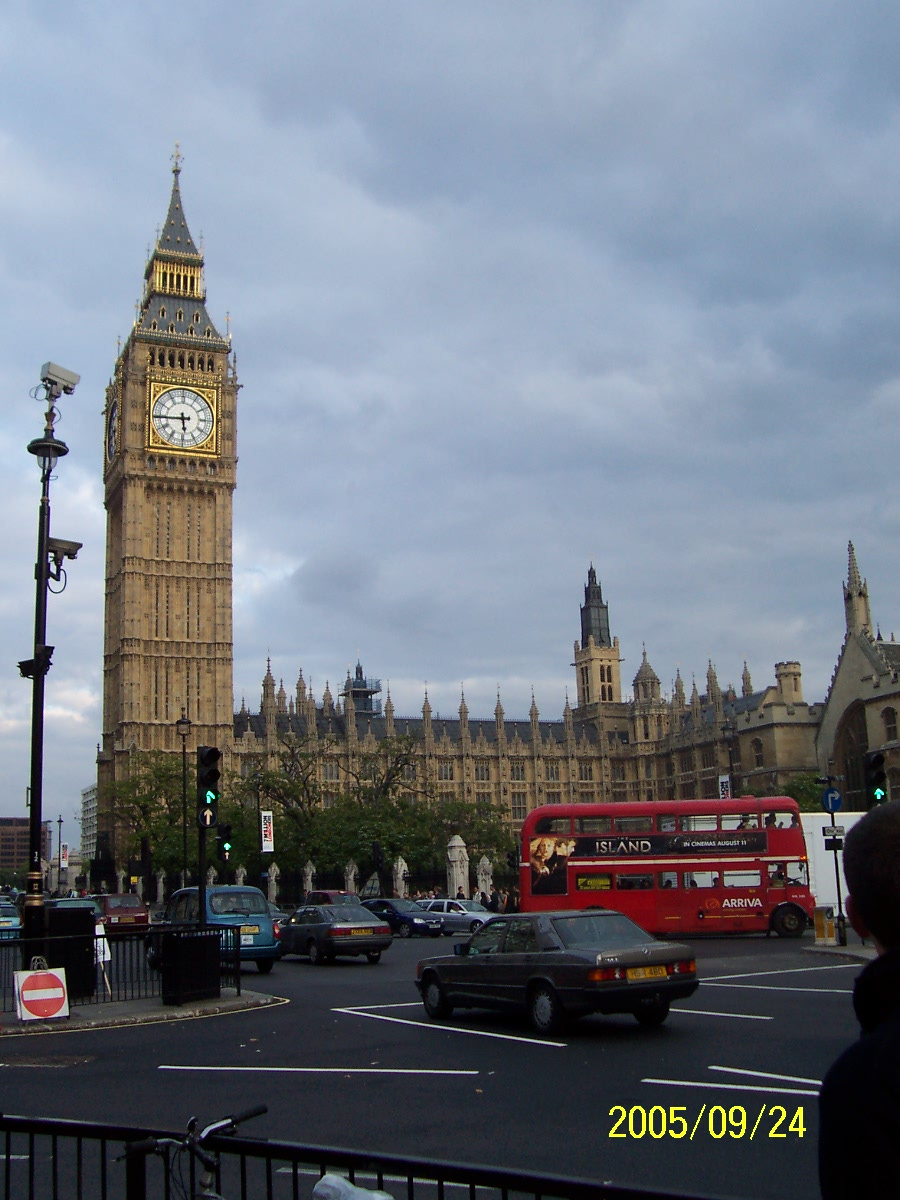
182,417
112,430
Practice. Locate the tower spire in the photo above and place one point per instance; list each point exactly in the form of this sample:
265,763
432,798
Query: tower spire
857,613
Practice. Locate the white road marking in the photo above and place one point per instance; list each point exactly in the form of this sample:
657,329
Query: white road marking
766,1075
731,1087
319,1070
503,1037
785,971
777,987
702,1012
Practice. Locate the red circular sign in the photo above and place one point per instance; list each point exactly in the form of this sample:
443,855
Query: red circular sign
43,994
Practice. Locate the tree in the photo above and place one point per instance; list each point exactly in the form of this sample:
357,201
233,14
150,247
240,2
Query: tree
148,808
807,791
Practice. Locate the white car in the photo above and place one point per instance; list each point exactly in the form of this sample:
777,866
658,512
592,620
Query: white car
458,916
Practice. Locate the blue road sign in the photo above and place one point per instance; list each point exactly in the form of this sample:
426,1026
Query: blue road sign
832,800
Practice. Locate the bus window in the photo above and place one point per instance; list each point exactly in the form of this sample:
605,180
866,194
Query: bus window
780,820
593,824
634,824
798,874
701,879
666,823
634,883
692,824
667,879
740,821
593,883
553,825
741,879
777,876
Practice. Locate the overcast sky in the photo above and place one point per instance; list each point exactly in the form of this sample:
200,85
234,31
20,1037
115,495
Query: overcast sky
513,287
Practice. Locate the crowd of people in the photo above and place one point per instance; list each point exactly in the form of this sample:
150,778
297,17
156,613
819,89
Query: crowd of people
500,900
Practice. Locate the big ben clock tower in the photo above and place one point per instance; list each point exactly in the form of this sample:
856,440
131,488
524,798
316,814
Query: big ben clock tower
169,461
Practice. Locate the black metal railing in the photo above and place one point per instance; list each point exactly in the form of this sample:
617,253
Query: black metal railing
102,970
56,1160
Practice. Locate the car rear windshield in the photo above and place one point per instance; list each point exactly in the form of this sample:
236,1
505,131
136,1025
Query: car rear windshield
237,902
606,931
127,901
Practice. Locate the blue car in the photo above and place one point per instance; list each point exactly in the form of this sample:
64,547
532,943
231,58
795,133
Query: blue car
226,904
405,917
10,921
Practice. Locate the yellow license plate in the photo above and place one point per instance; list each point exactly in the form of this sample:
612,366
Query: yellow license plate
646,973
360,932
249,929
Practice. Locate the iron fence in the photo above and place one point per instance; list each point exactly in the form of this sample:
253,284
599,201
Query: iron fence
103,970
68,1160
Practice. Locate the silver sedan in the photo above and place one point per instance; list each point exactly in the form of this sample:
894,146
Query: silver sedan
458,916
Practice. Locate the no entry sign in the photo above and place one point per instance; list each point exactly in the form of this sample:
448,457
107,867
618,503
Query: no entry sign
41,995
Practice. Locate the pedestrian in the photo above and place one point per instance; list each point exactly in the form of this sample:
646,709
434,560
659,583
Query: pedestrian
512,903
494,902
859,1104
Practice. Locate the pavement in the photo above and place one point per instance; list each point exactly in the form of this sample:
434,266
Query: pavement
114,1014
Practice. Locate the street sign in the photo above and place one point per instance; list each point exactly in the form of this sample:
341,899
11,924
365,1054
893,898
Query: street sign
41,994
833,843
207,818
832,800
833,830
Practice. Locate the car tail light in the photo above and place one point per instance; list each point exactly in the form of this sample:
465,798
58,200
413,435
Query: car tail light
339,931
606,974
686,966
384,929
276,930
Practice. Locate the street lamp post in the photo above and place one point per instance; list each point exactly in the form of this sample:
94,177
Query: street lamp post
183,727
47,449
59,822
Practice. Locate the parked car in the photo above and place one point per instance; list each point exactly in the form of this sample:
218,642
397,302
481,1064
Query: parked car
560,964
405,917
75,902
332,897
122,913
323,931
10,921
226,904
458,916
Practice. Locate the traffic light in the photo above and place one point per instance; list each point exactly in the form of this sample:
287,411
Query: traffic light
512,860
223,842
874,778
208,785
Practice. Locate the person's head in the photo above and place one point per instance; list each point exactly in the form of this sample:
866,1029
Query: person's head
872,871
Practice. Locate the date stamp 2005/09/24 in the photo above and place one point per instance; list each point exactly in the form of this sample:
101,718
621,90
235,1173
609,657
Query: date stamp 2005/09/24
715,1121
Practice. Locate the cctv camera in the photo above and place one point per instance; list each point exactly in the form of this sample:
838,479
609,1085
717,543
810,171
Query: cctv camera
58,379
60,548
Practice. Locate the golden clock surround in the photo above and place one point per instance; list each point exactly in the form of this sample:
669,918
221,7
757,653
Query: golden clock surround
156,387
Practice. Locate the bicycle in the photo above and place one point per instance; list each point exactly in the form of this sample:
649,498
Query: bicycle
173,1152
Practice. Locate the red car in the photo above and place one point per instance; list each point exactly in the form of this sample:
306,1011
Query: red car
123,913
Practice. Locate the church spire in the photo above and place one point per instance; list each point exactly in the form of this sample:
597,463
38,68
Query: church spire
857,613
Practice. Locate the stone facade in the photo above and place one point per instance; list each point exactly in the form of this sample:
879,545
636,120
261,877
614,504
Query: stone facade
861,708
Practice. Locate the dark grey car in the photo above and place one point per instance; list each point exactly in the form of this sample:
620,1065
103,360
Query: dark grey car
559,964
321,932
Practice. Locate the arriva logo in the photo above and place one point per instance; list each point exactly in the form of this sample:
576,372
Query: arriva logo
743,902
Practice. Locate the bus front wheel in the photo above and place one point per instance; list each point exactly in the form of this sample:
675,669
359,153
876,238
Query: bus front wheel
789,921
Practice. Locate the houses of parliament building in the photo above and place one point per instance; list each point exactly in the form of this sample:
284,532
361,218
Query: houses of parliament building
169,473
609,747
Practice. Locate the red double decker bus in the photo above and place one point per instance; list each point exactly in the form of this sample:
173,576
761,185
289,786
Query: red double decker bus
675,867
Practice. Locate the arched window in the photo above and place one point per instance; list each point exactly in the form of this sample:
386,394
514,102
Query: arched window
889,716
